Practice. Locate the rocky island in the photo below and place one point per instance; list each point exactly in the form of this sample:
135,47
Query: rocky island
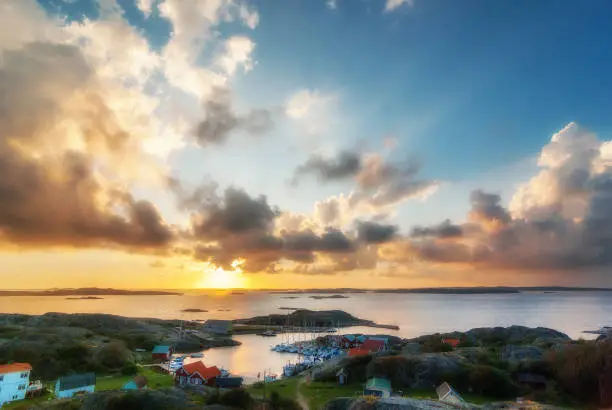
84,298
328,297
194,310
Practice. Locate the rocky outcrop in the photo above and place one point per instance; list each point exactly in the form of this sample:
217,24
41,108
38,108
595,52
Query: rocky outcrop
515,334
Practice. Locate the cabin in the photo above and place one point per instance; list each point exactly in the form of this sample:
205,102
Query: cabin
373,346
219,327
378,387
138,383
162,352
68,386
197,374
383,339
14,381
453,342
342,377
448,395
358,352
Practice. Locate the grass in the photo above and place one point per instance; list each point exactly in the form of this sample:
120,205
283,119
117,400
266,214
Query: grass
25,404
286,388
156,380
319,393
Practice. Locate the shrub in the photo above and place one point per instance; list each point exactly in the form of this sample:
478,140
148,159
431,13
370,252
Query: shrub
114,355
239,398
129,369
278,403
489,381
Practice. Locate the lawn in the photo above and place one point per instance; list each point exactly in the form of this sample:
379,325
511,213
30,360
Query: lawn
319,393
156,380
286,388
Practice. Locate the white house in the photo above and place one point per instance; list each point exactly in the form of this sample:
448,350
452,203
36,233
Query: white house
14,381
68,386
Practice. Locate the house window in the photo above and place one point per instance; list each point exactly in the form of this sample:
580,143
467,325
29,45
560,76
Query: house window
21,387
1,377
15,397
24,375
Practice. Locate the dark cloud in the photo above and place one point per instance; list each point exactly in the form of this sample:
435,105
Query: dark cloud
50,195
345,165
444,230
221,119
486,207
373,232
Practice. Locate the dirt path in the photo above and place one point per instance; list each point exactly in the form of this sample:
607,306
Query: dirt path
300,397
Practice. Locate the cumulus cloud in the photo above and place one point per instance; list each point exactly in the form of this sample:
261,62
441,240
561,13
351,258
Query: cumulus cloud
345,165
561,219
331,4
373,232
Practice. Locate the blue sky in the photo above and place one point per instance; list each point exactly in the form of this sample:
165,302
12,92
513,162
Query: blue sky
270,96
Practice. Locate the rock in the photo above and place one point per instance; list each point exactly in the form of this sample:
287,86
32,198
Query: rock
512,352
411,349
514,335
340,403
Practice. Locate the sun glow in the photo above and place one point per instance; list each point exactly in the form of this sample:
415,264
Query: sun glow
218,278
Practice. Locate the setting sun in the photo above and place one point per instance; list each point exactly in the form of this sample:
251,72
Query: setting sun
219,278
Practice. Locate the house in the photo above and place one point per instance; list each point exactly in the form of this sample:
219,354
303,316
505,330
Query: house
373,346
448,395
358,352
162,352
197,373
377,386
68,386
138,383
451,341
349,341
342,376
535,381
383,339
220,327
14,381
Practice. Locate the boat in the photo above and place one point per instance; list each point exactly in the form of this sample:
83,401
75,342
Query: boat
270,378
196,355
605,330
267,333
289,370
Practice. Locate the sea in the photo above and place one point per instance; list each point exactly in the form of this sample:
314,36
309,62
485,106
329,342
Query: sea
415,314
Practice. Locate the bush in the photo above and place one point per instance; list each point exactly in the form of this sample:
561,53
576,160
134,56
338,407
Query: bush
114,355
489,381
239,398
278,403
129,369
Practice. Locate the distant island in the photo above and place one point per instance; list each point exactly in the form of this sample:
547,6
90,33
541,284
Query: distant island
474,290
191,310
329,297
84,298
86,292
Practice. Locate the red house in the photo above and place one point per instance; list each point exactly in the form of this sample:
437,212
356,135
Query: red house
373,346
197,373
451,342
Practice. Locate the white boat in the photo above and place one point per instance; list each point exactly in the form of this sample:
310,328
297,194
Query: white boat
196,355
270,378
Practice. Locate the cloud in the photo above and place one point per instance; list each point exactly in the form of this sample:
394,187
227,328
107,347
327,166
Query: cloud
221,120
561,219
345,165
157,264
146,6
51,193
238,51
444,230
373,232
392,5
331,4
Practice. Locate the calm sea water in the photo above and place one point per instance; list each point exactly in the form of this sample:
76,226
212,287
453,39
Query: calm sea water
416,314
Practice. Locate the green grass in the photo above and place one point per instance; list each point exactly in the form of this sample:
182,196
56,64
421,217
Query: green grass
319,393
25,404
156,380
286,388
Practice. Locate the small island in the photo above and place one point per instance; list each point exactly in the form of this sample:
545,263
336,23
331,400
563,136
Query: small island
287,308
194,310
328,297
290,297
84,298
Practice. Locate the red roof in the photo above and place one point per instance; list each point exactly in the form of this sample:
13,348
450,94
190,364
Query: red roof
373,345
452,342
15,367
200,367
358,352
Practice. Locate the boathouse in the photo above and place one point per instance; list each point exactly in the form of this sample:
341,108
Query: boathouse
162,352
453,342
197,374
138,383
373,346
448,395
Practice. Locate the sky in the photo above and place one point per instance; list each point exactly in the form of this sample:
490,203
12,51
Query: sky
305,143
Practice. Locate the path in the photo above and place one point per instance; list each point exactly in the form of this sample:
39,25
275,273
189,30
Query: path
300,397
